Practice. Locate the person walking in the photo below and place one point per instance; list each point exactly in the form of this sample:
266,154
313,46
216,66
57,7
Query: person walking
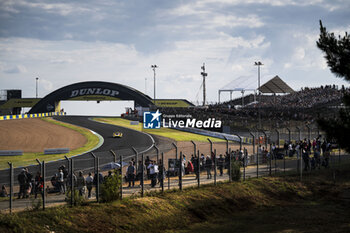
89,183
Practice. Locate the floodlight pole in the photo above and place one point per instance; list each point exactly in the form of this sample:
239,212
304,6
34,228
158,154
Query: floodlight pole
258,63
36,87
154,83
204,75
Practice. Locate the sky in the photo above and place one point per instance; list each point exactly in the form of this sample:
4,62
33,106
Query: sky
64,42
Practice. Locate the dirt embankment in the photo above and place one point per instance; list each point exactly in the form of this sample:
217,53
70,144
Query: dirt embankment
35,135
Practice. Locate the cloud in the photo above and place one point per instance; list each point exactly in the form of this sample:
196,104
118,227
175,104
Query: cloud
14,69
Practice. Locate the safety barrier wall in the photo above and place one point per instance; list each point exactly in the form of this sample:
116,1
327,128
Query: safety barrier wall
24,116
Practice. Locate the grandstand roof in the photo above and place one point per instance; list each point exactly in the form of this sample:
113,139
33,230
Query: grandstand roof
275,85
242,83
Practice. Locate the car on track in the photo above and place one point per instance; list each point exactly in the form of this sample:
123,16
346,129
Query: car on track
117,134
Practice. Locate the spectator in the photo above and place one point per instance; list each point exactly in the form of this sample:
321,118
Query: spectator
89,183
39,184
221,162
22,180
208,165
153,171
60,181
3,192
130,173
81,183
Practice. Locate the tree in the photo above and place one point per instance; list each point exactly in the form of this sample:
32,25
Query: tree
337,54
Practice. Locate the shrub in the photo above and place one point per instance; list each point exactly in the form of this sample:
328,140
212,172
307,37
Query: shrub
78,199
236,170
110,189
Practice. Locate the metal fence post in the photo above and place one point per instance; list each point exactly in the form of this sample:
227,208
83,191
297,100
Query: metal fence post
157,149
121,174
226,144
136,157
163,170
278,138
211,146
214,166
230,166
72,190
175,151
180,175
114,156
253,141
270,161
289,136
298,164
68,167
98,180
244,161
308,132
142,174
44,176
194,148
40,167
11,185
199,169
257,162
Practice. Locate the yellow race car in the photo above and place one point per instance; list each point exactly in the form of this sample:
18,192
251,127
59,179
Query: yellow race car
117,135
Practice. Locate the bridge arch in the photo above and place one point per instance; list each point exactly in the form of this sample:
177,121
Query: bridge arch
91,90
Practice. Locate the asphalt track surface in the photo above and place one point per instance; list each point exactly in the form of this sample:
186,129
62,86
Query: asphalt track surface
121,146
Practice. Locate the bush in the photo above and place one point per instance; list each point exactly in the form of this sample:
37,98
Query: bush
110,189
78,199
236,170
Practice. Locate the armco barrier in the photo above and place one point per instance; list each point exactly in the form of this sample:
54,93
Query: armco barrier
56,151
11,152
24,116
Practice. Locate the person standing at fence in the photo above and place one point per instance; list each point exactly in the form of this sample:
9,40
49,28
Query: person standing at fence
61,181
208,165
130,174
39,184
81,183
29,184
150,168
89,183
221,162
22,180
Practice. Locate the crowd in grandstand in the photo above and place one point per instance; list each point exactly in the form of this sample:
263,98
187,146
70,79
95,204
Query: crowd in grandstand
304,105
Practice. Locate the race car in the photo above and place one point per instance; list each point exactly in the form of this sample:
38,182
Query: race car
117,135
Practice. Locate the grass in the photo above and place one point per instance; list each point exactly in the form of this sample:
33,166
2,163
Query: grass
270,204
164,132
29,158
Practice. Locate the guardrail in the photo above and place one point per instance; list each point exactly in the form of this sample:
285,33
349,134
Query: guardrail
24,116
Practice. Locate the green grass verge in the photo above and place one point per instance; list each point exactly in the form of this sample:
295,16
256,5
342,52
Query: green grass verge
29,158
270,204
164,132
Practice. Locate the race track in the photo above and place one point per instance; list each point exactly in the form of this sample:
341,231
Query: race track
121,146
